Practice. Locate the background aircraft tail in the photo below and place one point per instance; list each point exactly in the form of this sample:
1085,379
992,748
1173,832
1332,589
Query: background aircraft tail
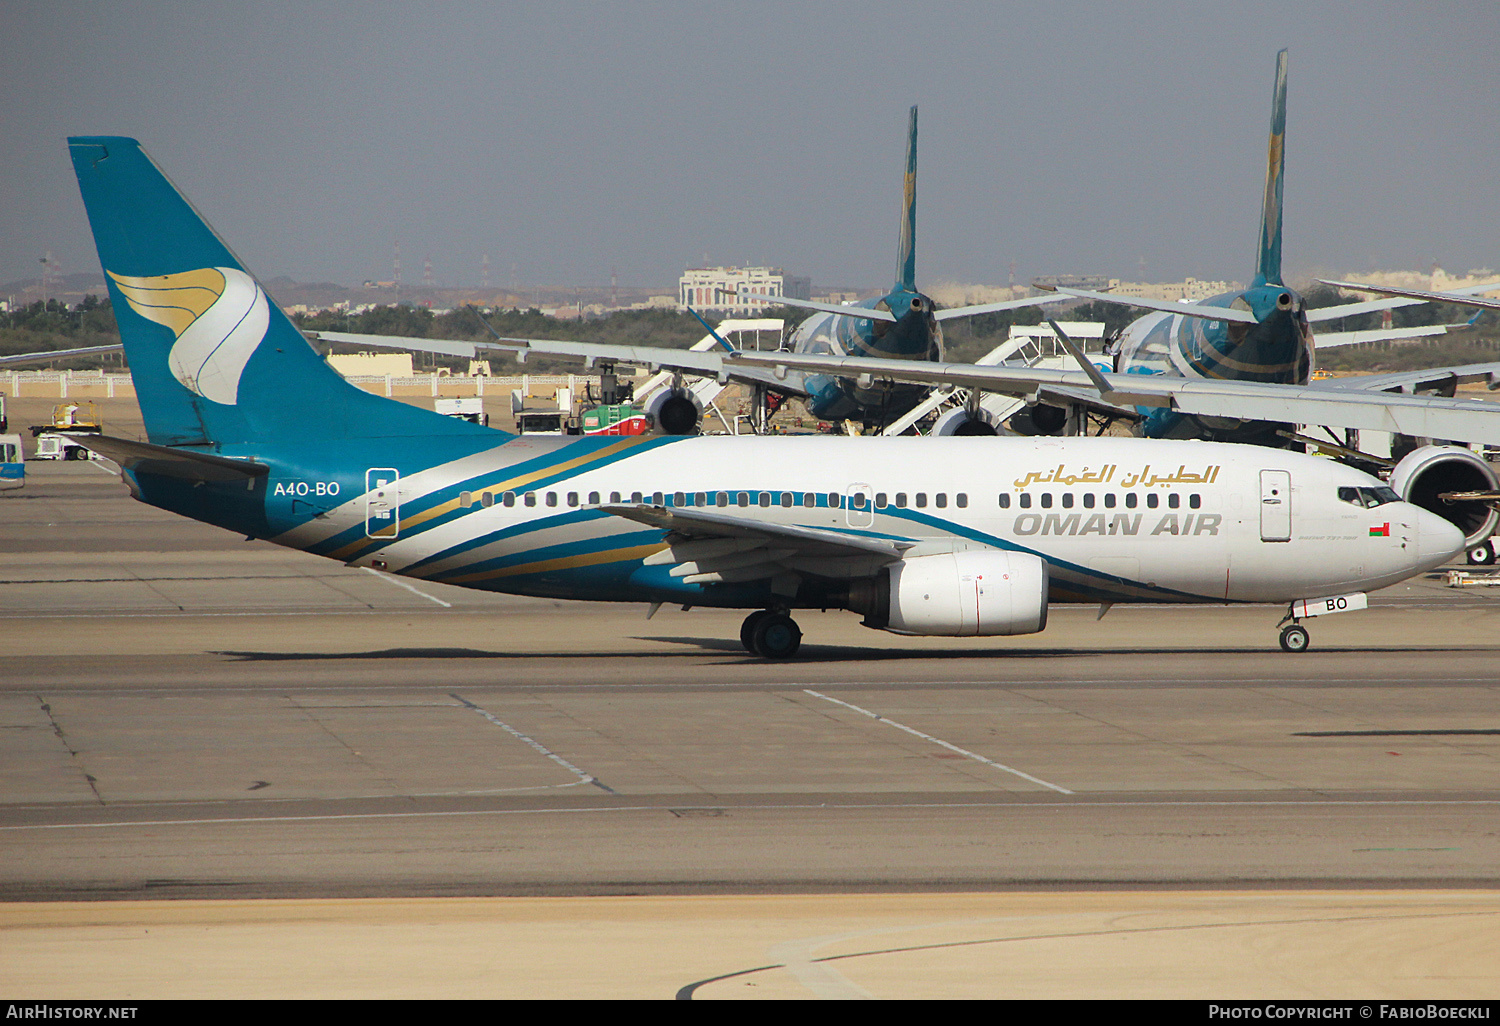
906,254
213,359
1268,260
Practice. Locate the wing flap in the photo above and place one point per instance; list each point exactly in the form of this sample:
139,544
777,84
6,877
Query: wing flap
706,547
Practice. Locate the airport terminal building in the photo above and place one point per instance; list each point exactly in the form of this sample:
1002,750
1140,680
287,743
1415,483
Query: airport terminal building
719,289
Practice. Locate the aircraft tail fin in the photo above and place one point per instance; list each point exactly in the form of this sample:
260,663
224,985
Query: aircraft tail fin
1268,259
214,360
906,254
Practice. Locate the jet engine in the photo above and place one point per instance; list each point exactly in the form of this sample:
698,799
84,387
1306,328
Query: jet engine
1433,470
962,421
1041,419
978,593
675,411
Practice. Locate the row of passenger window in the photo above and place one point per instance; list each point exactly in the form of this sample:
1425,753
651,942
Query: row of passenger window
808,500
1132,500
833,500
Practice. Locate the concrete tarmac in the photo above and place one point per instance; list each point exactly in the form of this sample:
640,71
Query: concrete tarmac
185,715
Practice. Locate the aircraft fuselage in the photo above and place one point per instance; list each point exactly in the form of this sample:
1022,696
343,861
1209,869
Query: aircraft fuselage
1116,520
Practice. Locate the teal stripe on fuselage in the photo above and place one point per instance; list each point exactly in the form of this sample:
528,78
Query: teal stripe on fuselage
575,516
449,492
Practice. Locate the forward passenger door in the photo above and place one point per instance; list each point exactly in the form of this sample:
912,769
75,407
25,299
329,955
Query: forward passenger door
1275,505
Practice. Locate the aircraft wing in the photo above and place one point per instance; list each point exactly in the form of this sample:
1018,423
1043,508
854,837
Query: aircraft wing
708,547
868,314
1473,420
58,354
703,364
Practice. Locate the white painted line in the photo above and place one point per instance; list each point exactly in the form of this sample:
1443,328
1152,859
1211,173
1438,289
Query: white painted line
824,980
398,582
583,778
1049,806
937,741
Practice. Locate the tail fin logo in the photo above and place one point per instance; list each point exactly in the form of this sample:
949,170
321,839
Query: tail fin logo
219,316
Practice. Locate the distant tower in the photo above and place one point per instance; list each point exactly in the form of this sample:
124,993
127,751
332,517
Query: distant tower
614,288
1012,274
396,263
49,276
484,272
427,281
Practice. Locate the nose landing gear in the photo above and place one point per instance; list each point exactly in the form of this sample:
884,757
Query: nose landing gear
1293,635
770,634
1294,638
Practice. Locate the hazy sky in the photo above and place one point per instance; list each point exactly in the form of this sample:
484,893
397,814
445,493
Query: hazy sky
568,138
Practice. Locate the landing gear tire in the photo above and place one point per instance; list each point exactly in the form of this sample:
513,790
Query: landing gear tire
776,636
747,629
1294,638
1482,554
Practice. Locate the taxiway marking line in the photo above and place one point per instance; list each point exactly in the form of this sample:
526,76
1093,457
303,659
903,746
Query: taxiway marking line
411,588
817,807
938,741
583,778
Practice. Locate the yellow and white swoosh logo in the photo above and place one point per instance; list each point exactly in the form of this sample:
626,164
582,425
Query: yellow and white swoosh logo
219,315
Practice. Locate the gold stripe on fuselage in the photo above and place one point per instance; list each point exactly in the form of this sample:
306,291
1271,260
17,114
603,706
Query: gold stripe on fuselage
561,563
509,485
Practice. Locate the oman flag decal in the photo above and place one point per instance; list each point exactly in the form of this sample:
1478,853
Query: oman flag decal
1383,531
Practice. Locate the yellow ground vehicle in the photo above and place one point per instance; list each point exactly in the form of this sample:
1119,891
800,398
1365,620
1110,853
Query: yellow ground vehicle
68,418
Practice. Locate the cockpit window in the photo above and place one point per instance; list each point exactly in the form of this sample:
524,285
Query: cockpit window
1368,497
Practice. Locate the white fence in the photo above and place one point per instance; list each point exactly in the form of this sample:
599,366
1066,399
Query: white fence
95,385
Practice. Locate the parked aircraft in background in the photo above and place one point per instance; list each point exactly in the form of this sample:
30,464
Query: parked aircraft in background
1261,333
249,429
903,324
1260,339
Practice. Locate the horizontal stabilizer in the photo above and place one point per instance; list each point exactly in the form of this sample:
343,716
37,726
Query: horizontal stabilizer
1004,304
1333,339
1466,296
58,354
166,461
1210,313
862,312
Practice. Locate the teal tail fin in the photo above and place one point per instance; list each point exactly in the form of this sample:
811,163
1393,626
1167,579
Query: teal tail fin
1268,262
213,359
906,255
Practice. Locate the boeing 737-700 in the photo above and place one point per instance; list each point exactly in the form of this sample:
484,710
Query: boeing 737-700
249,429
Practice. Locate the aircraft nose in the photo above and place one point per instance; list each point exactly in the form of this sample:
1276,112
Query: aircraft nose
1438,541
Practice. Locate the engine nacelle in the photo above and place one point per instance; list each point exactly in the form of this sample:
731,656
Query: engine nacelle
979,593
961,422
1432,470
675,411
1041,419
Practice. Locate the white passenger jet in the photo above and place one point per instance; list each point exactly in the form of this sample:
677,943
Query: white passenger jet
251,430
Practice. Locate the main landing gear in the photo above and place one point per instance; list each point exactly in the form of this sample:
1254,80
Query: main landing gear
770,634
